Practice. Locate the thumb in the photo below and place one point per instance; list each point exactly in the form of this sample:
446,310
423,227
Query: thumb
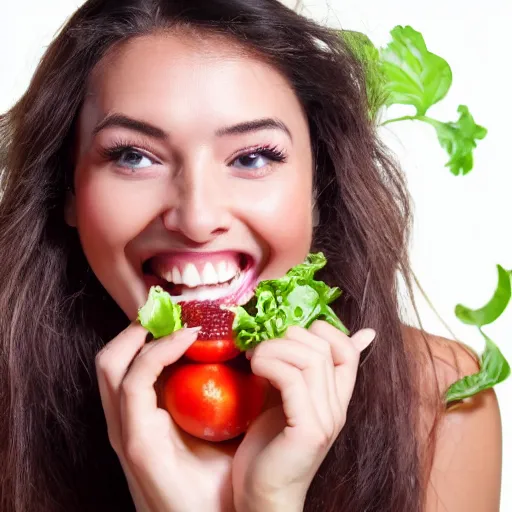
361,339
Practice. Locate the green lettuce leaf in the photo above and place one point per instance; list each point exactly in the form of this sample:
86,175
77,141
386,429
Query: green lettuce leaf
494,308
368,55
494,369
295,299
160,315
459,139
414,75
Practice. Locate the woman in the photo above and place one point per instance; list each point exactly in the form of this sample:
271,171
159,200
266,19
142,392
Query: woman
199,129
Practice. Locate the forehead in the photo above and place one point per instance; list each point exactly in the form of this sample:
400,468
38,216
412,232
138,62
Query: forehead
191,82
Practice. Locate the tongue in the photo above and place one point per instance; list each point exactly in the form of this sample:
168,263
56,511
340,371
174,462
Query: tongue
216,322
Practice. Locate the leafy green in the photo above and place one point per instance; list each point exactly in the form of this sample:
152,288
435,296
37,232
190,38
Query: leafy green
459,139
160,315
295,299
414,75
367,53
494,369
494,308
406,72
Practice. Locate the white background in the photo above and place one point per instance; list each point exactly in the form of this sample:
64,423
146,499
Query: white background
462,228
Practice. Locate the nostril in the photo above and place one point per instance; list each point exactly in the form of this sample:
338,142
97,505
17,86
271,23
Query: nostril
219,231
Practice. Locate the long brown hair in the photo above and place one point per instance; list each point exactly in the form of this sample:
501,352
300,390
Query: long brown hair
54,451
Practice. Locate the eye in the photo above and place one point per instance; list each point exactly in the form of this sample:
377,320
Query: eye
258,158
251,161
127,157
133,159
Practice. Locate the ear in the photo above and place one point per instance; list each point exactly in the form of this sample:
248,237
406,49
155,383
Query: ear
70,209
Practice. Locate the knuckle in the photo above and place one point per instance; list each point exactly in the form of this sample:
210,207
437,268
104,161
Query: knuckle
114,441
294,331
102,361
341,420
134,450
128,388
321,439
324,347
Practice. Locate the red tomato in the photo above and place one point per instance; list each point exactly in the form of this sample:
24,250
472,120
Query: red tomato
212,351
214,402
215,342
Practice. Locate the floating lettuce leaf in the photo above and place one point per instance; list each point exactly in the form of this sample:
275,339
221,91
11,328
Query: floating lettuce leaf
494,308
494,369
406,72
295,299
368,54
160,315
414,75
459,139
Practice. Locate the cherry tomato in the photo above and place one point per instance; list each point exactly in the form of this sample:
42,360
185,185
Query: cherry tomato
214,402
212,351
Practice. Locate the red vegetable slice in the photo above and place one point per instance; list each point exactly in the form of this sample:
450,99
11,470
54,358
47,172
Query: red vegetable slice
215,342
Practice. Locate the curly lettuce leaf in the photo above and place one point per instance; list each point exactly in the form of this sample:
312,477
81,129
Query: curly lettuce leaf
494,369
494,308
458,139
160,315
296,299
414,75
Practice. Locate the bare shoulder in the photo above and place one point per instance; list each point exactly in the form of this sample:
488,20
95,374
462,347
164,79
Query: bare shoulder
449,360
465,473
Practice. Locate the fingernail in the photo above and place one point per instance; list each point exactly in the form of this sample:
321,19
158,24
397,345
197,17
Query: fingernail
365,337
249,353
193,330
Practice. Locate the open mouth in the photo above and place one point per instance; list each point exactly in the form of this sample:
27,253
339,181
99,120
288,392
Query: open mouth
227,277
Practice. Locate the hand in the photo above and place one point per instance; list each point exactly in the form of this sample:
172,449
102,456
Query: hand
315,371
166,469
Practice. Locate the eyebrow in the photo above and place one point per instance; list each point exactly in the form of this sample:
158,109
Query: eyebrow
130,123
267,123
150,130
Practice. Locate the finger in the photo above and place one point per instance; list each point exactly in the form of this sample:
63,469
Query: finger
324,350
111,364
113,360
311,339
288,380
323,347
346,352
317,371
138,396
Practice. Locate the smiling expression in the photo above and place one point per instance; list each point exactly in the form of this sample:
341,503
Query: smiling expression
193,171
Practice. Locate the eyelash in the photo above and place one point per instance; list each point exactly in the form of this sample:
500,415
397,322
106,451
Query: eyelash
115,151
271,152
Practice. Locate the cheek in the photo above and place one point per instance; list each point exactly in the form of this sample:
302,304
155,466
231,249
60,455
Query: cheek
281,215
110,215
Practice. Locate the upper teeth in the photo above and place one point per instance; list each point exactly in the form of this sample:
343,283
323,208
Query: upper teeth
192,277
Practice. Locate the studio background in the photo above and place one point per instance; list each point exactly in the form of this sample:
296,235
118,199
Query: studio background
462,224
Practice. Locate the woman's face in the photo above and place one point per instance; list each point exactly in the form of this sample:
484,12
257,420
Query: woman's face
193,171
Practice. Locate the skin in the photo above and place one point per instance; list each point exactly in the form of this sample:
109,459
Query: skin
193,197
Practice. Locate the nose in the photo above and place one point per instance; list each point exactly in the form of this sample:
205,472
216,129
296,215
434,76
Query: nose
201,208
